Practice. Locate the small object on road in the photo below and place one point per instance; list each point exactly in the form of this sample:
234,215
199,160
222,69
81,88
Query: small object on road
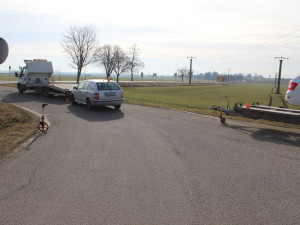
43,126
221,109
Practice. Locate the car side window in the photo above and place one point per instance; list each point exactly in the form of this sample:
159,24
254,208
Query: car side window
91,86
101,86
86,86
80,86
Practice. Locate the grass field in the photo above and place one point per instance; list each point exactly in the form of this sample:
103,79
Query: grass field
200,98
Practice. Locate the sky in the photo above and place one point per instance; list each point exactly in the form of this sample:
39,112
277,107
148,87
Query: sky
239,36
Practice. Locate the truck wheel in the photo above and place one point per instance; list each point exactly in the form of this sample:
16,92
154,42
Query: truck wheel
20,89
47,95
89,104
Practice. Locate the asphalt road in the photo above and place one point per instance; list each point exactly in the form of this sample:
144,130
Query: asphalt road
144,165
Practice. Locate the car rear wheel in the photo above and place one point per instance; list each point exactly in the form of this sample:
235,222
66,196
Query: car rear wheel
117,107
89,104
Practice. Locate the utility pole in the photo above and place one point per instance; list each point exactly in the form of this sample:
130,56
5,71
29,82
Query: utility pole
228,75
191,62
279,74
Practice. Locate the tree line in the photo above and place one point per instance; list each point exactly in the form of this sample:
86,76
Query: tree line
81,44
237,77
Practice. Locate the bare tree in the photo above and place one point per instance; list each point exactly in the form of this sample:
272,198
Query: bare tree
80,43
121,61
183,72
105,57
134,62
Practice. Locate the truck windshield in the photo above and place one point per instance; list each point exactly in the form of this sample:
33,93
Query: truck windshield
108,86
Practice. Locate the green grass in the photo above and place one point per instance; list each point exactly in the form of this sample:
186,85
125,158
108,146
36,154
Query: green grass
199,99
8,77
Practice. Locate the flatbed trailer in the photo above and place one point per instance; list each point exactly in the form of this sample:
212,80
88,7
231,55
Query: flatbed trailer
256,111
50,89
61,89
268,113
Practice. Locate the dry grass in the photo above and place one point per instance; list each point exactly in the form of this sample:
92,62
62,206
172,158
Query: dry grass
16,126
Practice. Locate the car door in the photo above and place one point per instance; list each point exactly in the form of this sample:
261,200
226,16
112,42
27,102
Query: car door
79,93
89,91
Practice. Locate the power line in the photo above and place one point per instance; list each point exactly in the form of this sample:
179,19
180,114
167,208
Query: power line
265,45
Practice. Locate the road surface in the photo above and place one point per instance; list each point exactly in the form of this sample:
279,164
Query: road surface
144,165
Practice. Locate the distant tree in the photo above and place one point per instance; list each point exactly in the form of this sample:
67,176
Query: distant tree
183,72
80,43
105,56
134,62
121,61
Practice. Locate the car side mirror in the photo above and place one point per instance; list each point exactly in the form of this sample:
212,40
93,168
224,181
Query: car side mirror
75,88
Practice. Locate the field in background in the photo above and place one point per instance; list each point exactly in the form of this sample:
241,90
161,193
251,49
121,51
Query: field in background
56,77
199,99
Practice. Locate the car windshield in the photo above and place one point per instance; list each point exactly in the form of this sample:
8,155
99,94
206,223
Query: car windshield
108,86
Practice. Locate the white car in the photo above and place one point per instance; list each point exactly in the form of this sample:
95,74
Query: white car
98,93
292,95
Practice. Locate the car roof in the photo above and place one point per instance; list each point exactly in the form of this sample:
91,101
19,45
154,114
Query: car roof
99,80
296,79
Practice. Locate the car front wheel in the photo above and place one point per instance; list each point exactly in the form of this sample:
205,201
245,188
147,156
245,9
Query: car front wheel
73,100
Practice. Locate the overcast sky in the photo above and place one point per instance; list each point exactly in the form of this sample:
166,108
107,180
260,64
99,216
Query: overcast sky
244,36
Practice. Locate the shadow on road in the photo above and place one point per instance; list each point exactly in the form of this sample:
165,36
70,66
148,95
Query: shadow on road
98,113
16,97
270,135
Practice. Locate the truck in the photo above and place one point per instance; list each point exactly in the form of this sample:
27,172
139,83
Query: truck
35,75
